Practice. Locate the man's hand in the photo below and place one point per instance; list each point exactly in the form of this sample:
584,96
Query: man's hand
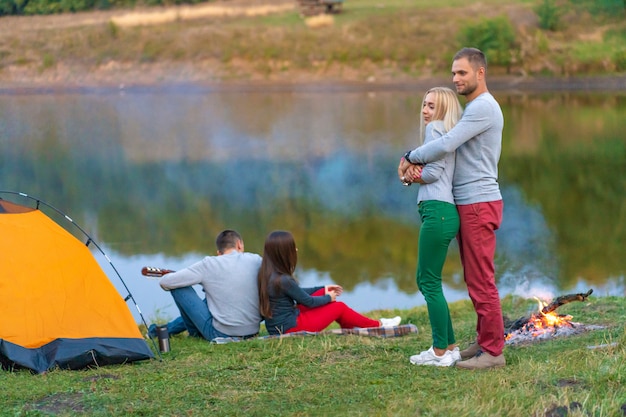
402,167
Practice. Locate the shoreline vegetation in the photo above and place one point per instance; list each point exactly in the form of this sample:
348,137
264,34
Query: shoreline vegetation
255,44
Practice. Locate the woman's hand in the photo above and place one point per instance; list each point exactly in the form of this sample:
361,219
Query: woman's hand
414,174
409,173
333,290
333,287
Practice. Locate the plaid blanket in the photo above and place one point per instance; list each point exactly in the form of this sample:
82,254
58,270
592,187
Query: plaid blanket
396,331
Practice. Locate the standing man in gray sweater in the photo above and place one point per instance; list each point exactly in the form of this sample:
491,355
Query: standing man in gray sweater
477,140
229,280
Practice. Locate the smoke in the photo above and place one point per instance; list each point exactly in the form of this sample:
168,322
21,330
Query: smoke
526,261
527,284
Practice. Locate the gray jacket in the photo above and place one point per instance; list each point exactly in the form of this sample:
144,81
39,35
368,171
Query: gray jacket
437,175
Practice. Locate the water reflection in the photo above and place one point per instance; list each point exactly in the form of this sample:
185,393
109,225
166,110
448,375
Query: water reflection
155,175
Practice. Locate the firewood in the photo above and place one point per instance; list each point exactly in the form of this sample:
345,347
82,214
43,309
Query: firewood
511,326
564,299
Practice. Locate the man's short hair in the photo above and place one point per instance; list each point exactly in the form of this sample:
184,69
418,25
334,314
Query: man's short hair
227,239
474,56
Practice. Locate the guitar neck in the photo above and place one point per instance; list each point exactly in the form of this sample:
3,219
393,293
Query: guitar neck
152,271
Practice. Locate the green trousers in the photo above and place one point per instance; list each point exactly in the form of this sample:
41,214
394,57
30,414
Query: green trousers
440,224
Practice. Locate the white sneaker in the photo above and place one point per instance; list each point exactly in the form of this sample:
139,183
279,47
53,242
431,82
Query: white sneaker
424,357
429,357
390,322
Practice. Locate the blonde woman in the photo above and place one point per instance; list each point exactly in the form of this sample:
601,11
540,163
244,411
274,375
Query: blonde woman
441,110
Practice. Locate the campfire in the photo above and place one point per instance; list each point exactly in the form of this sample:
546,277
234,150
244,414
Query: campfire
545,323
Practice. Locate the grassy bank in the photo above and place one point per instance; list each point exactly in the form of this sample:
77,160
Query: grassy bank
370,41
349,375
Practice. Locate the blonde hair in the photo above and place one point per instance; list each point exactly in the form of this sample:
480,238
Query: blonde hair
447,109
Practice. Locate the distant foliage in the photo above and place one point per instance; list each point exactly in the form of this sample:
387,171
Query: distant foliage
57,6
35,7
608,7
617,36
620,60
32,7
549,14
495,37
9,7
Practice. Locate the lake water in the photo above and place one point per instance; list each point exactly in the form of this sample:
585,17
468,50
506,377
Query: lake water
154,174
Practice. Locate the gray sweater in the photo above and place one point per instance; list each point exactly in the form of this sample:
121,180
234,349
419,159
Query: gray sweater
477,140
437,175
230,284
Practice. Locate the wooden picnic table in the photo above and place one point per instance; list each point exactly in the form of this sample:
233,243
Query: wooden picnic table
315,7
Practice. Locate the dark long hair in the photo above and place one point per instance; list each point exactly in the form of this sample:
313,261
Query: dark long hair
280,257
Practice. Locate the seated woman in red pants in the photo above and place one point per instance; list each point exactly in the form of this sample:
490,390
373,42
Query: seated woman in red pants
287,308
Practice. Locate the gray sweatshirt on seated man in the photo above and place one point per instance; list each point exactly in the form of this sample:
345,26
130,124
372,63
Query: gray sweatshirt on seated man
230,284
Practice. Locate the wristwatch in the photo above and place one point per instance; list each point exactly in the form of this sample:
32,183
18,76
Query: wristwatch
407,157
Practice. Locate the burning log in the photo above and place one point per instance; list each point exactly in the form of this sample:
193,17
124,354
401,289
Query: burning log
564,299
545,320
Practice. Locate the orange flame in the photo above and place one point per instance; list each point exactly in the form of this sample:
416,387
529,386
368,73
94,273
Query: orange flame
540,323
550,319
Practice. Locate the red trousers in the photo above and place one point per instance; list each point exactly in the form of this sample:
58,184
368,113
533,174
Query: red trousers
316,319
477,244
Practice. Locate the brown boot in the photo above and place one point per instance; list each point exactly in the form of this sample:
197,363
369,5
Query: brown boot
483,360
471,351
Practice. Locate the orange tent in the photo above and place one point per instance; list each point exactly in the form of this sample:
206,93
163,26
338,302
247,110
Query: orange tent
58,306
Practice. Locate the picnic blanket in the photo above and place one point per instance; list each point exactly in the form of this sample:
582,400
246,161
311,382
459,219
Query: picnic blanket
395,331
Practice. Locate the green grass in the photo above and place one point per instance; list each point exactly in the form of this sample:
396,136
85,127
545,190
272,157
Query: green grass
348,375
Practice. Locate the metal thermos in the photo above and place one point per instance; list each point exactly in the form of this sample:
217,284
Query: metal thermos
164,338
